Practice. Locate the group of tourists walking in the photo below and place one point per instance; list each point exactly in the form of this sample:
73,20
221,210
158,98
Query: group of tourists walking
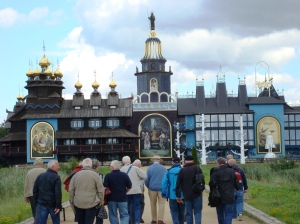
125,186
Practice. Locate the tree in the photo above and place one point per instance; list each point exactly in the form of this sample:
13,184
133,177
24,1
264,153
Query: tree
195,155
3,130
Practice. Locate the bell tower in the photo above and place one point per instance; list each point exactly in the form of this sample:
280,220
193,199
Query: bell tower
153,78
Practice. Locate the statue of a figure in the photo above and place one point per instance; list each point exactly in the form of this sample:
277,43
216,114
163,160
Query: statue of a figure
152,19
269,142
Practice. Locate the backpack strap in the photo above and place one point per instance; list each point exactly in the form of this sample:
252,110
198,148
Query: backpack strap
129,169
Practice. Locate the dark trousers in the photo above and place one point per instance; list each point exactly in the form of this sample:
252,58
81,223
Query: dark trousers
86,216
33,207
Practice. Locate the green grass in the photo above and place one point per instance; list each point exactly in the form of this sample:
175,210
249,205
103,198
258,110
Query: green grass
13,208
275,192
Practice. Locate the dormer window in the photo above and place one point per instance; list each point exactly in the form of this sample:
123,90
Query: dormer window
95,107
113,107
113,123
77,107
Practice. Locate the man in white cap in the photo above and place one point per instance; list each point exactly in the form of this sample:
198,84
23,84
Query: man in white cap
155,174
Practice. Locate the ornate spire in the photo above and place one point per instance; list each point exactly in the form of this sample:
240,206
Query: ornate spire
153,49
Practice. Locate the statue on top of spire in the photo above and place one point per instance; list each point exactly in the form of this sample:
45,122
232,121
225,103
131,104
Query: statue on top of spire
152,19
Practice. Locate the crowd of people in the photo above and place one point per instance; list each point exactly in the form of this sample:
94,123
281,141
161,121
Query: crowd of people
126,183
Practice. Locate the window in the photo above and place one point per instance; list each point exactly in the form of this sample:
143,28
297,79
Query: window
112,141
112,123
77,124
70,142
95,123
92,141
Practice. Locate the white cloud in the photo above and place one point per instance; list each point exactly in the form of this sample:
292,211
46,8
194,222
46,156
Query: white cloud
54,17
38,13
82,60
9,17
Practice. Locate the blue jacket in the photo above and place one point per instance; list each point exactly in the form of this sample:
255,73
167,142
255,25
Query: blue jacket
155,174
168,185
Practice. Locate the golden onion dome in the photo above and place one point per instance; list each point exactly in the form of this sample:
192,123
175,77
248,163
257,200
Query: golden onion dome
52,75
22,97
19,97
29,73
48,72
78,85
44,62
112,84
58,73
95,84
36,72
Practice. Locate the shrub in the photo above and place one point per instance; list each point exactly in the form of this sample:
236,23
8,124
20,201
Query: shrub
68,167
282,164
195,155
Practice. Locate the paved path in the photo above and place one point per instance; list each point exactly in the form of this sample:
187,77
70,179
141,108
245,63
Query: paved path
209,215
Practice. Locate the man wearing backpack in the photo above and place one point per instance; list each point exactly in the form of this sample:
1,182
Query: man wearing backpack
184,184
226,181
168,190
238,208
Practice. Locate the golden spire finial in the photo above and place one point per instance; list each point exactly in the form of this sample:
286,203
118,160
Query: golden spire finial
112,83
44,62
57,72
78,85
95,84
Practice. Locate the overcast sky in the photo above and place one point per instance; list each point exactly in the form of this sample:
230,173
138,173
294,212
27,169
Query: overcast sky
198,37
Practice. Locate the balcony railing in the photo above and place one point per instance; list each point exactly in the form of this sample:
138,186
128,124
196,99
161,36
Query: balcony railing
75,149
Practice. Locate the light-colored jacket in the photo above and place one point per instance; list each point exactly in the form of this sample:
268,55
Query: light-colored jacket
136,175
86,189
30,179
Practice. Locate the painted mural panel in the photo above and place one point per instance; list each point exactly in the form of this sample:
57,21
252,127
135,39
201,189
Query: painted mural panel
268,135
155,136
41,140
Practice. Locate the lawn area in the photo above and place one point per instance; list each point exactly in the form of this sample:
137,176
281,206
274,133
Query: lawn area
275,192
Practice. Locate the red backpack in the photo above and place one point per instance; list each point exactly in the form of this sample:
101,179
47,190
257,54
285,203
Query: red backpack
68,180
238,175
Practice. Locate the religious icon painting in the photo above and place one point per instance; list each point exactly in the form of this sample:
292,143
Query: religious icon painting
41,140
155,136
268,135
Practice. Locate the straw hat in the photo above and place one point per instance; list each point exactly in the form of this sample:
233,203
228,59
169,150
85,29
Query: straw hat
156,158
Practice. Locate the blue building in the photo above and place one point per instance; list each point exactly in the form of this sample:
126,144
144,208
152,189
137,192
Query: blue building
262,115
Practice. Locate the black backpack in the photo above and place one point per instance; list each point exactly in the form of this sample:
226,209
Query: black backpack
214,198
199,182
